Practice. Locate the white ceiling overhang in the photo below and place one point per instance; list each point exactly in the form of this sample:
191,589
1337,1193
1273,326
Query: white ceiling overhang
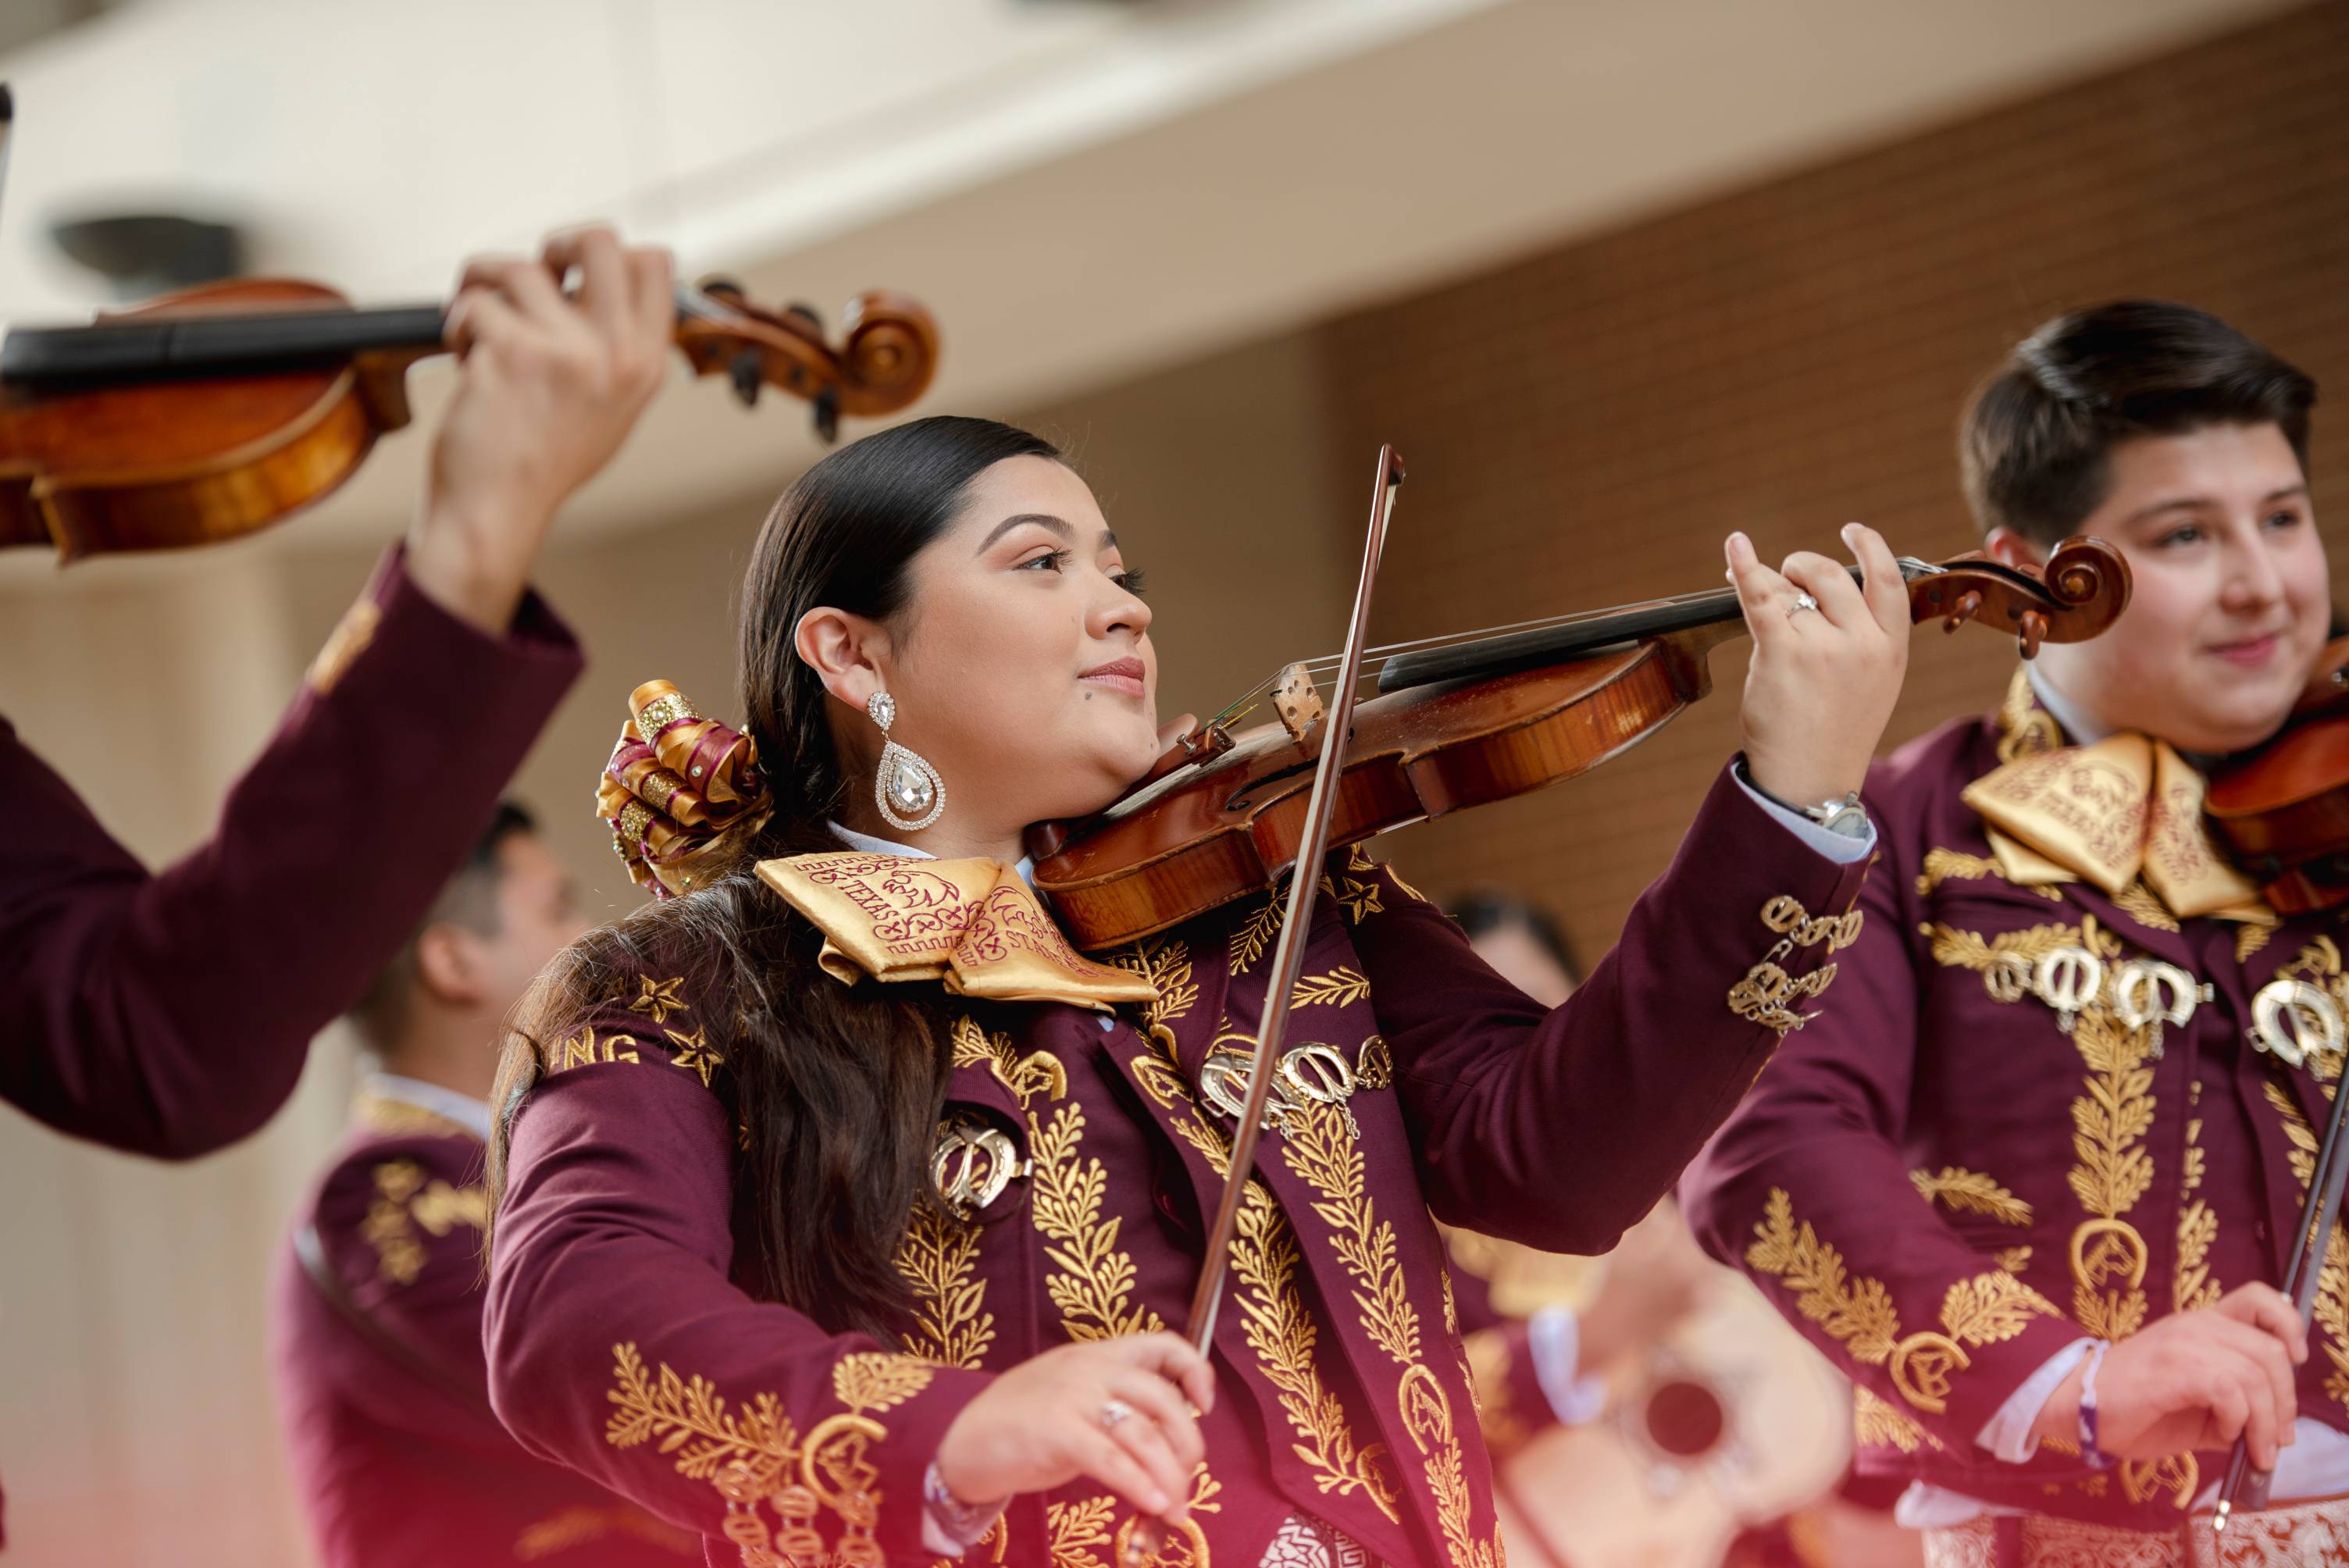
1080,191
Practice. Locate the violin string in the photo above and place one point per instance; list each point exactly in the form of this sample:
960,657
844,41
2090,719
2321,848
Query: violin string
1377,659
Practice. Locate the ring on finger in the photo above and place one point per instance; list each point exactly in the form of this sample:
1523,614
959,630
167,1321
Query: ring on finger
1113,1411
1802,601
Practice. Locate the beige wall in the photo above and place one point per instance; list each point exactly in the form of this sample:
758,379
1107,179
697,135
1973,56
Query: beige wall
135,1418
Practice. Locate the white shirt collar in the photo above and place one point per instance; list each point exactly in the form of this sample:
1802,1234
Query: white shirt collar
872,846
472,1115
2061,709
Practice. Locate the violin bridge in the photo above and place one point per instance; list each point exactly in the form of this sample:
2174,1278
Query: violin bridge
1298,701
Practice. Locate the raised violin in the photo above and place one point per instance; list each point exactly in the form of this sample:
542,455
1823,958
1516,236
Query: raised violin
2281,809
1465,721
218,411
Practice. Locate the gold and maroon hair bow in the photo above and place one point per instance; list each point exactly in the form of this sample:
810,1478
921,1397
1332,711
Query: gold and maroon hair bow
675,782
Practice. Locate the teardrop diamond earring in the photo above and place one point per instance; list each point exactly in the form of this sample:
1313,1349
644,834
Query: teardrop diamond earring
906,786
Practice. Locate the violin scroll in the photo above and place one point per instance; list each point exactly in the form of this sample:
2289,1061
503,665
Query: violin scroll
2081,592
887,352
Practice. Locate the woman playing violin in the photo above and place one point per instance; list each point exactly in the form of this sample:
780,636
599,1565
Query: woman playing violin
845,1209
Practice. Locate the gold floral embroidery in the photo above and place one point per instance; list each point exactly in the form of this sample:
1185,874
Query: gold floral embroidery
2013,1260
403,1201
1075,1530
756,1456
1362,863
1880,1424
1767,993
1336,989
1986,1309
938,1257
584,1049
2142,905
1956,865
1165,962
2250,939
1253,936
2197,1224
659,997
1095,1281
1037,1072
1326,1158
1971,1193
2332,1306
695,1052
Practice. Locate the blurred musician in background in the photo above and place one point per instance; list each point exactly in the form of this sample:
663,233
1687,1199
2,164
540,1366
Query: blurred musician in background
376,1311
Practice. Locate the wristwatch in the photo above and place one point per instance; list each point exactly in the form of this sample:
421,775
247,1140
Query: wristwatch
1844,818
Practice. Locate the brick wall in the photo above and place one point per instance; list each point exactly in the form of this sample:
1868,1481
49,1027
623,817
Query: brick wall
1583,427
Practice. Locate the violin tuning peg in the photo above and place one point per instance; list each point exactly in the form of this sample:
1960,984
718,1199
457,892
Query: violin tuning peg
744,371
805,314
827,415
2034,628
1962,610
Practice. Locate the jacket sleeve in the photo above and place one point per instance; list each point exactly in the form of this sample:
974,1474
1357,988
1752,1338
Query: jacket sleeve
1805,1188
618,1345
1560,1130
169,1014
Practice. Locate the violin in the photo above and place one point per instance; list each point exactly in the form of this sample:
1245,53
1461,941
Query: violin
215,411
2281,809
1464,721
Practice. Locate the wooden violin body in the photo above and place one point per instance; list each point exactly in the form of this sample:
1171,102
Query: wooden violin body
2282,810
1465,726
214,412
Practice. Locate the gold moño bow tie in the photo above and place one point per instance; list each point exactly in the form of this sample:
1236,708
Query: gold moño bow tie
2126,807
971,925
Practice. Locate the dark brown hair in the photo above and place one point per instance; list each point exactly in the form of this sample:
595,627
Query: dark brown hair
469,899
2035,443
839,1089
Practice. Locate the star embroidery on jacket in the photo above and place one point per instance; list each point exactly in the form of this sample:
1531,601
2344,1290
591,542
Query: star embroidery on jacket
1357,899
660,998
694,1053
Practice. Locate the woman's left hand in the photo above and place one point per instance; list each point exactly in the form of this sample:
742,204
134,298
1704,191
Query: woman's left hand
1823,681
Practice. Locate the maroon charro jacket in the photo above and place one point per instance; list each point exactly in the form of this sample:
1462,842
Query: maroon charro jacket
126,996
1942,1186
376,1344
620,1343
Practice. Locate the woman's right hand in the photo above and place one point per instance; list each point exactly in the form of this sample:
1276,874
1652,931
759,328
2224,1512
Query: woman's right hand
1040,1426
2195,1381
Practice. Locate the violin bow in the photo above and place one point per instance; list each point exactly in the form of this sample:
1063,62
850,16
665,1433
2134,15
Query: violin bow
2245,1486
1149,1535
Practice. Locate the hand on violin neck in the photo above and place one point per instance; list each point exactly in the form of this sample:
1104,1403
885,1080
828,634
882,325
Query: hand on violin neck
1828,659
548,387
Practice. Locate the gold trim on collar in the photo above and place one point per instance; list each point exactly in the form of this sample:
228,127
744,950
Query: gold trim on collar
971,924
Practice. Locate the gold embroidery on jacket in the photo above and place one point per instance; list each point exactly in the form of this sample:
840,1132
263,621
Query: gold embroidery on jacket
404,1199
2109,1123
2013,1260
2197,1222
1986,1309
584,1049
1339,988
659,997
1971,1193
1489,1358
2025,728
755,1455
2142,905
1095,1281
1076,1529
694,1053
2332,1306
1362,863
2250,939
1881,1424
938,1257
1322,1155
1253,938
1956,865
